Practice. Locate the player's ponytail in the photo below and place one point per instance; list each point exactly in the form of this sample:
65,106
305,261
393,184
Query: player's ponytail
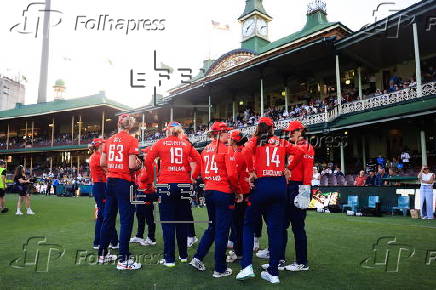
176,132
263,133
126,122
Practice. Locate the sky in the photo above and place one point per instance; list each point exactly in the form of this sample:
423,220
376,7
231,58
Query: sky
90,61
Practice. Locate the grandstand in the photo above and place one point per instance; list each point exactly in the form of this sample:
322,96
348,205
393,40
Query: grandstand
328,77
54,135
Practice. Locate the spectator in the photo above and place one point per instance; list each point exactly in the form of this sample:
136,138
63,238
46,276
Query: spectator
326,171
427,180
392,174
361,179
405,158
338,172
55,185
370,180
381,174
392,164
316,179
381,161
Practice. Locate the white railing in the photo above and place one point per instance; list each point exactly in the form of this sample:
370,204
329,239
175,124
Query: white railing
328,116
388,99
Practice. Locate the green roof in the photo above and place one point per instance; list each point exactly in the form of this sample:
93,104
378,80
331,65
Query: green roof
61,105
253,6
45,149
315,22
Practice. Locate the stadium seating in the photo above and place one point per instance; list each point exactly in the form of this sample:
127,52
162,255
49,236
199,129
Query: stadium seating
373,200
352,203
403,204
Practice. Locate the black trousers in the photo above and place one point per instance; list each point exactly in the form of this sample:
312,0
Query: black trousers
144,214
295,217
238,227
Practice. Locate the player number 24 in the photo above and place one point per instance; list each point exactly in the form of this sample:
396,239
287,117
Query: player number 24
210,164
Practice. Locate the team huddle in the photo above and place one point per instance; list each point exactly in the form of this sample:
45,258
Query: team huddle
246,181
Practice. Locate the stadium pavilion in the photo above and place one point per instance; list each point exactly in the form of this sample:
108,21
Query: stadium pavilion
56,134
376,86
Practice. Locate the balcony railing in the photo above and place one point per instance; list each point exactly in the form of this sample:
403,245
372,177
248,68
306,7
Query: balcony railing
403,95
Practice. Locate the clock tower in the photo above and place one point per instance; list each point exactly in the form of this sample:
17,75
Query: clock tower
254,22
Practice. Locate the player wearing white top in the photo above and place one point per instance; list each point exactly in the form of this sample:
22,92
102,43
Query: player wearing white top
427,180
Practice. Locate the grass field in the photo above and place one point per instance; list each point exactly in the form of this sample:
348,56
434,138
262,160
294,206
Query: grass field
337,246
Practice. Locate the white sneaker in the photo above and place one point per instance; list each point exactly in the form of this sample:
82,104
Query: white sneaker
232,257
95,247
229,245
114,247
282,265
136,240
148,242
107,259
29,211
164,263
185,260
19,212
246,273
128,265
192,241
294,267
256,245
197,264
226,273
263,254
270,278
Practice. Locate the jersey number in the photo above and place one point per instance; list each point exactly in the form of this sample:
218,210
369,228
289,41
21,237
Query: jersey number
210,164
272,157
176,155
116,153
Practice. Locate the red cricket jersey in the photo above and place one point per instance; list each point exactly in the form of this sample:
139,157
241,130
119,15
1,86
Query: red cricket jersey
303,171
141,181
174,155
118,149
270,158
239,170
97,172
218,168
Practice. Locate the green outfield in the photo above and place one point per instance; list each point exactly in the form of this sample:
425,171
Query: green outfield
337,247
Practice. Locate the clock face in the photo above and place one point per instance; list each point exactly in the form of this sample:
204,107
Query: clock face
248,27
262,27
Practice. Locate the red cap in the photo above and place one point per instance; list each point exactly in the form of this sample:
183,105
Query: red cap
268,121
236,135
294,125
97,142
146,149
219,126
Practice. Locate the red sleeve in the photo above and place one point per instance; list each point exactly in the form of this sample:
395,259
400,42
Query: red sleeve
297,154
308,167
134,147
197,159
104,148
232,171
149,161
143,175
248,152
